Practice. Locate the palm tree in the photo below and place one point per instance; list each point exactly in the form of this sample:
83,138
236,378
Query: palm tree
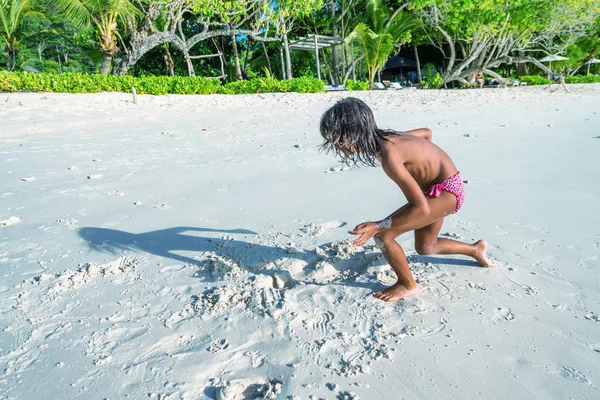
380,34
104,15
12,13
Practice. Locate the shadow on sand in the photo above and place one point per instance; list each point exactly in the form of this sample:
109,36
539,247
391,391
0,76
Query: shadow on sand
171,242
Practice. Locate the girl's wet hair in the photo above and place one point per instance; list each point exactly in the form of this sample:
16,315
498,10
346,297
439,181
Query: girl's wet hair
349,130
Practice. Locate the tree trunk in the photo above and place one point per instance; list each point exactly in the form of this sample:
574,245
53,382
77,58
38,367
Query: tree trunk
221,58
522,69
372,78
121,67
169,60
244,70
334,52
236,58
267,58
418,63
288,60
58,58
451,45
105,67
188,60
351,69
329,71
494,75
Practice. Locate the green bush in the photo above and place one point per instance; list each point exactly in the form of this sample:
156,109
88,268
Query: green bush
432,82
69,82
543,80
357,85
583,79
306,84
534,79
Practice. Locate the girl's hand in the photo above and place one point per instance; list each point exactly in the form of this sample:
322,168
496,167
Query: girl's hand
366,230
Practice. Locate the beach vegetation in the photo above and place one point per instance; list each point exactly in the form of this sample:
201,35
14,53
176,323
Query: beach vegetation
252,41
108,18
382,31
155,85
12,15
357,85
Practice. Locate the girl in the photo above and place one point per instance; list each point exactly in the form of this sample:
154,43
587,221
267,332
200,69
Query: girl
425,174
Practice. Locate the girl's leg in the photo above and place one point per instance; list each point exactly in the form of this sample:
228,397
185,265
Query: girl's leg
395,256
427,242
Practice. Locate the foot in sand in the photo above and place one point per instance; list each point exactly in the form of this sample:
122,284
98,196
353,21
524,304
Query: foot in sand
397,292
480,253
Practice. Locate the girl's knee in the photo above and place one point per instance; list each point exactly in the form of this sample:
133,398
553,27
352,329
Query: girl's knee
387,236
426,249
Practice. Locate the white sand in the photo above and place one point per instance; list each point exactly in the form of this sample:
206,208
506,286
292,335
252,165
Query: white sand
143,260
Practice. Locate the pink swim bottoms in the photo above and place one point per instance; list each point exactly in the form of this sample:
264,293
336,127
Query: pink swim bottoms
454,185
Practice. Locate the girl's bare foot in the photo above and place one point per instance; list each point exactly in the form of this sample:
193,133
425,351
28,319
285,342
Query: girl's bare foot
480,253
397,292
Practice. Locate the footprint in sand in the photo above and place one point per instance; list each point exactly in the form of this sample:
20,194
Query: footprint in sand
593,317
564,371
250,389
321,229
503,314
9,221
532,244
218,345
337,169
318,322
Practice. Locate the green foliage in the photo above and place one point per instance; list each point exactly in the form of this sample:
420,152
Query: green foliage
108,17
156,85
357,85
432,82
534,79
543,80
377,37
583,79
272,85
12,15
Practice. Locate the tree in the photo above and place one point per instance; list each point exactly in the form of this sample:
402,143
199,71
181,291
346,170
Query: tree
382,32
106,16
169,21
235,15
481,35
285,13
12,14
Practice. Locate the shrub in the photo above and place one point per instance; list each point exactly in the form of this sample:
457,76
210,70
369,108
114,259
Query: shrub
543,80
69,82
534,79
432,82
357,85
583,79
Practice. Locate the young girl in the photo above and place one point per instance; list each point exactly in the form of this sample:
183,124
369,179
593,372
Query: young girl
425,174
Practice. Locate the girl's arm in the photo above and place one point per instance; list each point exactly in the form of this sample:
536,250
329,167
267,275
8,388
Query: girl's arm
405,218
424,133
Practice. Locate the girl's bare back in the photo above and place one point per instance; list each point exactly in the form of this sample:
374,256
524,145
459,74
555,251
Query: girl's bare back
426,162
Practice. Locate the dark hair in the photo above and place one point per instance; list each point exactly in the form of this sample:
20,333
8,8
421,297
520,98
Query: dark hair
349,130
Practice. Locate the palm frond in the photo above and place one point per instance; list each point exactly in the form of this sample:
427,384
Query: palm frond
401,27
376,15
375,47
80,12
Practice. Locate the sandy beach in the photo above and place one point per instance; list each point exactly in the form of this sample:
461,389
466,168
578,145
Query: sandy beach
196,247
